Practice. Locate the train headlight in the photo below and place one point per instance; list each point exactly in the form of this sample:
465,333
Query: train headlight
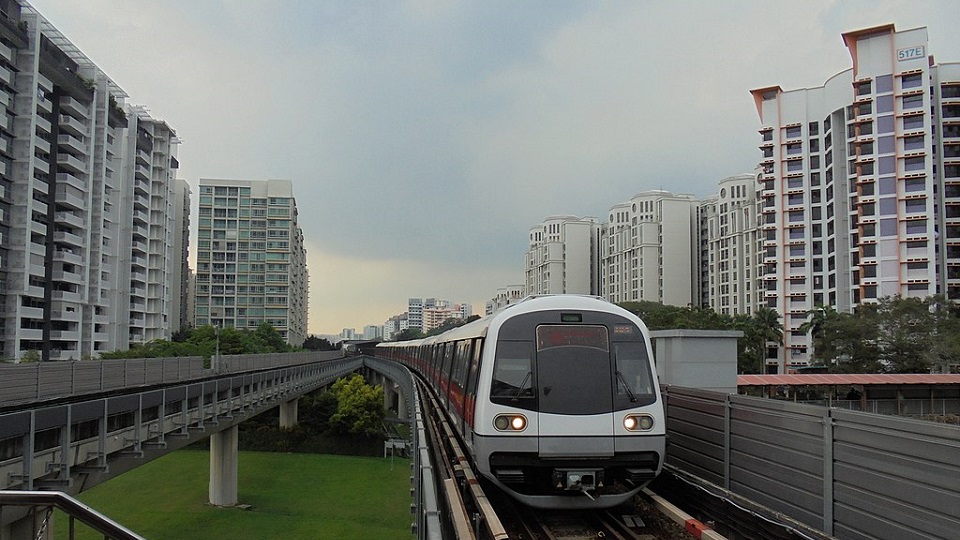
510,422
638,422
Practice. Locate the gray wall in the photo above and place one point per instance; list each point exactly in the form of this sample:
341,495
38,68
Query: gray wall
850,474
697,358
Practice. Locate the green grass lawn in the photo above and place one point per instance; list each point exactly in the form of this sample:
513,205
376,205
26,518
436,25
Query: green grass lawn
293,496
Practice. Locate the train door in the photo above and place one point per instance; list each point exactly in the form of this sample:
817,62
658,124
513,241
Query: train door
470,393
575,391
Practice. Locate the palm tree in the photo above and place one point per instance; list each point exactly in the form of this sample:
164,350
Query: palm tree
769,329
819,319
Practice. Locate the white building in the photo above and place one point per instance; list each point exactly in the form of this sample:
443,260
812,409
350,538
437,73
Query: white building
251,260
730,247
504,297
68,189
860,191
415,313
648,250
562,256
154,214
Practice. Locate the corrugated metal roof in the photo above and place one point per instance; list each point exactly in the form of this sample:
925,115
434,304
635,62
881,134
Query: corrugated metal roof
845,379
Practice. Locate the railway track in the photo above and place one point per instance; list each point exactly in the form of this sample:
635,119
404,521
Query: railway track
477,510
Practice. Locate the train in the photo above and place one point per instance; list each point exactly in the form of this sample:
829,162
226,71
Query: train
555,398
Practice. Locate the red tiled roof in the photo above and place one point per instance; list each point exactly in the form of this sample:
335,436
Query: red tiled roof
845,379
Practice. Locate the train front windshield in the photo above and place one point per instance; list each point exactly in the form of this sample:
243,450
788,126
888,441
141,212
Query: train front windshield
579,369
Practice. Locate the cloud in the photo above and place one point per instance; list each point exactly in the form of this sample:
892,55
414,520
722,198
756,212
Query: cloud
425,137
351,292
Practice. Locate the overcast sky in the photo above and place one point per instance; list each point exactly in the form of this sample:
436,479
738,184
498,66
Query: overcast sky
424,138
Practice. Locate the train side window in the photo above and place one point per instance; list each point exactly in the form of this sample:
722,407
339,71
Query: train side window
435,357
447,357
513,373
474,366
634,382
460,362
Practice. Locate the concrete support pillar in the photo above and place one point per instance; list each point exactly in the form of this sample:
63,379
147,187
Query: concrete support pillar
402,406
388,394
223,467
288,414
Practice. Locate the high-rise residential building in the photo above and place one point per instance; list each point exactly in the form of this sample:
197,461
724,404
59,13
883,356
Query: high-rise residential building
729,248
395,325
415,313
182,293
154,215
504,297
860,187
647,250
251,259
66,238
561,258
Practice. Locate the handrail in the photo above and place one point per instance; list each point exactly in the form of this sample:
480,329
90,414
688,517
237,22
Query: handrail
73,508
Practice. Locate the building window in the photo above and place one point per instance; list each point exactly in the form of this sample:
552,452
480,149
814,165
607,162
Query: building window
913,164
913,102
914,80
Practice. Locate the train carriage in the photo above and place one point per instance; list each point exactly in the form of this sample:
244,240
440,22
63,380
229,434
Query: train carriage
556,398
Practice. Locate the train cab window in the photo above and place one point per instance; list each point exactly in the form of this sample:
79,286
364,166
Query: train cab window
513,374
634,381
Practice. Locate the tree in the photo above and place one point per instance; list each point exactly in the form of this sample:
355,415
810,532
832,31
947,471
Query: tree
451,323
30,357
360,409
408,334
821,327
759,330
313,343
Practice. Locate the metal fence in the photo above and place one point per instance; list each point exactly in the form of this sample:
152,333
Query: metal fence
898,407
44,381
423,488
41,381
851,474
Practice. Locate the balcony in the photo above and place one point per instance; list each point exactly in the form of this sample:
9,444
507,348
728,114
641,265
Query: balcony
65,335
31,313
65,140
68,198
30,334
72,125
72,163
65,312
71,180
43,124
74,107
68,238
68,218
67,296
67,257
67,277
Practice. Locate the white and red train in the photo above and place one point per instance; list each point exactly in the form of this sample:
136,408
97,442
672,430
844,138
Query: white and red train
556,398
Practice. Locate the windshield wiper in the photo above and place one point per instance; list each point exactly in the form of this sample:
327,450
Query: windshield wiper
516,397
623,381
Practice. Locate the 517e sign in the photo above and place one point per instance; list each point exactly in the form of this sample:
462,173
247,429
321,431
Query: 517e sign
910,53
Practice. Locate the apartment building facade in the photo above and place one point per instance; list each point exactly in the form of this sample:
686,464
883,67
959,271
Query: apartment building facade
154,214
251,258
504,297
65,235
648,250
860,184
729,248
562,257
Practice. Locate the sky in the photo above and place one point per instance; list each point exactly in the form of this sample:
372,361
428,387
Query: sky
424,138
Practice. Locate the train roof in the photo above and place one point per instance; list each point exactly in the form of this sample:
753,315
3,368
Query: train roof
478,328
